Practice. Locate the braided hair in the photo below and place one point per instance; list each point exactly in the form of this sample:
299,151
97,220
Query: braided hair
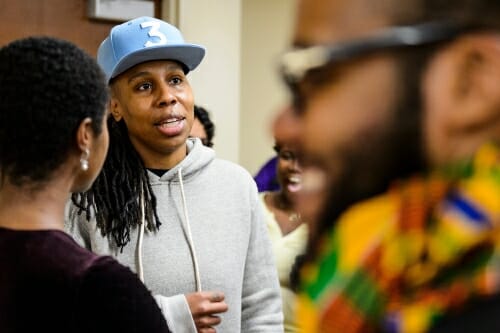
115,196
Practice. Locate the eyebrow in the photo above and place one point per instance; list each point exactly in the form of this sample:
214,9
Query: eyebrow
170,67
136,75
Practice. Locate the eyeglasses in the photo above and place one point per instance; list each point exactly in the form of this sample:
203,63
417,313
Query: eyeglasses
296,63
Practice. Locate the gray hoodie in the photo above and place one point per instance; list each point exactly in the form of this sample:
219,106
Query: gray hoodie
213,237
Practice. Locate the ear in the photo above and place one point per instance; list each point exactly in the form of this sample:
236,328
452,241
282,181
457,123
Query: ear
474,86
115,108
84,134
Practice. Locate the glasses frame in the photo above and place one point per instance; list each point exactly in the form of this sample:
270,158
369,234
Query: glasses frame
296,63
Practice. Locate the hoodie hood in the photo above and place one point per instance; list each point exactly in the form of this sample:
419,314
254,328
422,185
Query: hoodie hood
198,157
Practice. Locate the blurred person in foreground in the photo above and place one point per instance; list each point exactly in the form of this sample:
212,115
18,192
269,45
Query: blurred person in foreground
53,141
397,111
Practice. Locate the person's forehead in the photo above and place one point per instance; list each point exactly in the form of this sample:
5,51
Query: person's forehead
330,21
148,66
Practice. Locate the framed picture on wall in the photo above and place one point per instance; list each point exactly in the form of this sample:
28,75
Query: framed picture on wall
123,10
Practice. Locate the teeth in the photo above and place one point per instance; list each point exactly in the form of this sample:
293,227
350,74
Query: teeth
171,122
294,179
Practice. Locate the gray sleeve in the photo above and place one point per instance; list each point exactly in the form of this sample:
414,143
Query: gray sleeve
176,311
261,302
77,226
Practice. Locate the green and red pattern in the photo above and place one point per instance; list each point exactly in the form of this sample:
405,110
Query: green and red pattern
399,261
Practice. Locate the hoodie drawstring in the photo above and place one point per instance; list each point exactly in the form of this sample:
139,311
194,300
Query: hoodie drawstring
189,236
140,270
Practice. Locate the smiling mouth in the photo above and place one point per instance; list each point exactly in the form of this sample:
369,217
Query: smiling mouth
294,183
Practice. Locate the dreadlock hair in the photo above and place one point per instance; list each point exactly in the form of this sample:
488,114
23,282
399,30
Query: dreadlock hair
116,195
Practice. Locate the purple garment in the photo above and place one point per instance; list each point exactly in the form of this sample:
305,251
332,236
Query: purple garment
266,178
48,283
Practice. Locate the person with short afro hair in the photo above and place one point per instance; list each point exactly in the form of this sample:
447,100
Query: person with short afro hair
53,141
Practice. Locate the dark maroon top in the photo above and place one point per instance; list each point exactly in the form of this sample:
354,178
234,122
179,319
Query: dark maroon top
48,283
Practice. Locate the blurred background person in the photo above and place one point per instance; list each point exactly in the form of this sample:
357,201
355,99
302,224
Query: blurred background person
53,141
397,110
286,227
203,127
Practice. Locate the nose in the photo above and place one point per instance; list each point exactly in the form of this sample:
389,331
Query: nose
166,94
286,126
295,165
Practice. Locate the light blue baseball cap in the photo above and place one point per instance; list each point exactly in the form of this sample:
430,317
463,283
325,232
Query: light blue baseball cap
144,39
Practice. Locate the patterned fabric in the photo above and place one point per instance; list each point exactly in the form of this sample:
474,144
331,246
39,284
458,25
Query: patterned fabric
401,260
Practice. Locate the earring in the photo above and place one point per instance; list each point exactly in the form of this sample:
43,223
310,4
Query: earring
84,160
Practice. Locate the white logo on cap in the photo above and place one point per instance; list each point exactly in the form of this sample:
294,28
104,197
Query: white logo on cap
154,32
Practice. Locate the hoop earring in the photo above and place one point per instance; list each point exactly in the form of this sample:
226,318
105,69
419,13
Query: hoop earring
84,159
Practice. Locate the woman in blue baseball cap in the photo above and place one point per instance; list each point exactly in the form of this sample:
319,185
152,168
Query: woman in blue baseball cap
191,225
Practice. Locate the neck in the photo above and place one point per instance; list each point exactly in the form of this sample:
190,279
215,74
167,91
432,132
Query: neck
165,161
281,201
23,209
285,216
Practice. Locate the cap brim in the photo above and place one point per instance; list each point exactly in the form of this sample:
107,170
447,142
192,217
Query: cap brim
188,54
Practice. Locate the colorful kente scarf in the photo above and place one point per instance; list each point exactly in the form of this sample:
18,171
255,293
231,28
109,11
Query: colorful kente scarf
399,261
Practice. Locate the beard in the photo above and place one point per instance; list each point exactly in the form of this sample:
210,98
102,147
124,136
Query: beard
392,152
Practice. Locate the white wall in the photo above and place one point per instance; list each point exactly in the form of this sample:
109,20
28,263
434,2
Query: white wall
216,24
266,32
237,81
